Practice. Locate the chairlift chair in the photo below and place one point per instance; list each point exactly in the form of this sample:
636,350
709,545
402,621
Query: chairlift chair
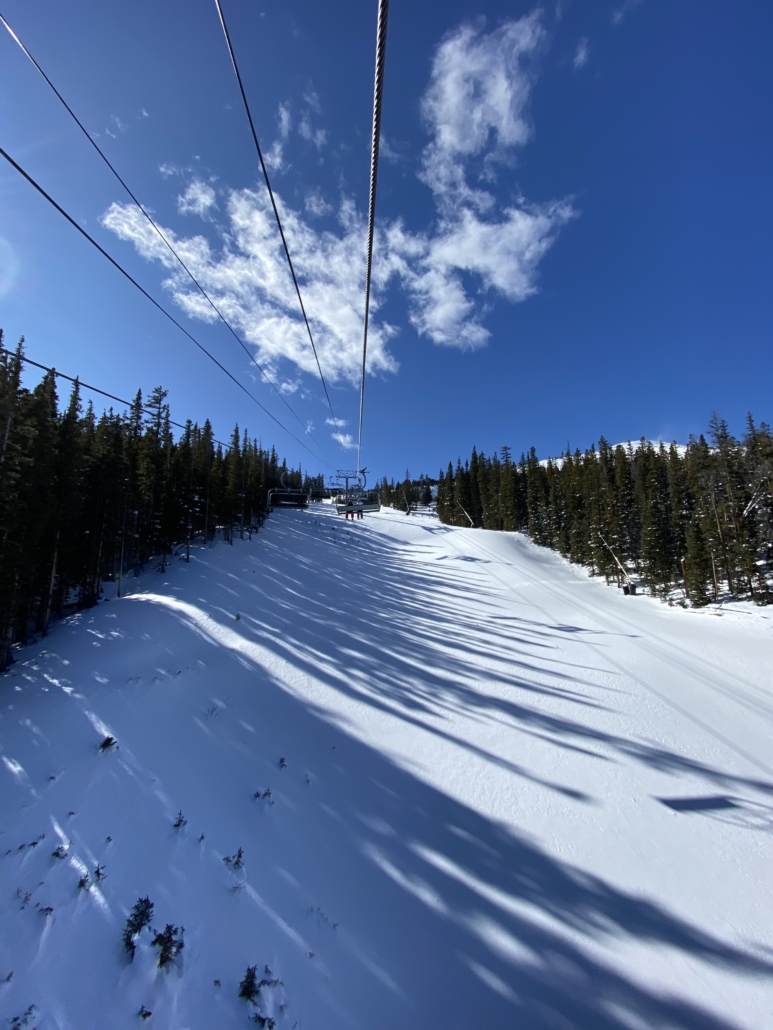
288,496
355,498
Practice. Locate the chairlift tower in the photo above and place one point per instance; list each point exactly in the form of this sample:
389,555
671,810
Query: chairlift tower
354,499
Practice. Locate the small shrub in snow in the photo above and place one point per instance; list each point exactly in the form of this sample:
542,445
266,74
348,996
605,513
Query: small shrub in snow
180,821
47,911
60,852
248,988
23,1021
139,918
99,872
169,943
144,1013
260,795
235,861
282,763
108,744
83,883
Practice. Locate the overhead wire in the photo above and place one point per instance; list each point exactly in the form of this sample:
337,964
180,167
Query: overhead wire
153,301
276,210
95,389
158,230
378,90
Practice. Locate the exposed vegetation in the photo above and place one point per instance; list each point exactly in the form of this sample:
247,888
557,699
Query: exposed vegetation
697,519
86,498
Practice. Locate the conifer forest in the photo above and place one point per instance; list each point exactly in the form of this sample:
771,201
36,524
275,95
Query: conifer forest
88,498
694,523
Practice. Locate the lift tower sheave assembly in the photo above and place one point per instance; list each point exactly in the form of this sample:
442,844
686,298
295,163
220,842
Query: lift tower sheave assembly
354,497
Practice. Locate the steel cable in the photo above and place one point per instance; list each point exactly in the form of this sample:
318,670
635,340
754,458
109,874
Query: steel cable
193,279
95,389
378,89
276,210
152,300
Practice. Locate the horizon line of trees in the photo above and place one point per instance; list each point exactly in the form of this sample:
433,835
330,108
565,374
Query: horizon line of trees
86,498
696,519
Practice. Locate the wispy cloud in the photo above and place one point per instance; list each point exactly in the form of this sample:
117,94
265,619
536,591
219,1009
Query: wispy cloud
116,126
346,440
387,151
626,7
245,273
581,54
476,110
284,118
316,136
198,199
275,158
316,205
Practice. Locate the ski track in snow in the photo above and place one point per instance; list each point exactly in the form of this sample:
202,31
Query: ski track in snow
511,797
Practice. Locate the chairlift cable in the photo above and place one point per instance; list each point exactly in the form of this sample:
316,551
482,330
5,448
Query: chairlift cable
95,389
378,91
276,210
150,219
153,301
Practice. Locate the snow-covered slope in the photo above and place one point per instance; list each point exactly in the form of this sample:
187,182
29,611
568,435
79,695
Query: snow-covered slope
501,794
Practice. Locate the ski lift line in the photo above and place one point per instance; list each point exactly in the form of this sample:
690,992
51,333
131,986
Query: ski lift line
160,233
95,389
276,210
154,302
378,92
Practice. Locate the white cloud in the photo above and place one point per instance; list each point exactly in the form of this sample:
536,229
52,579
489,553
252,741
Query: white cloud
386,150
198,199
312,100
316,205
626,7
341,423
315,136
345,439
479,248
116,126
477,102
247,277
143,113
581,54
476,111
284,119
274,157
168,169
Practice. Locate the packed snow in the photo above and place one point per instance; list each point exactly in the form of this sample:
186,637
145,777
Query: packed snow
472,788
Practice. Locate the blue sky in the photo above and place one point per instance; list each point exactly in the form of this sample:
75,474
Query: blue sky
574,215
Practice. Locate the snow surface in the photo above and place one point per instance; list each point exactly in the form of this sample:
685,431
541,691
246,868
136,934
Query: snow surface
512,797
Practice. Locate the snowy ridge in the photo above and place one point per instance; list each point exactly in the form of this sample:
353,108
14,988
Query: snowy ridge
681,450
490,792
